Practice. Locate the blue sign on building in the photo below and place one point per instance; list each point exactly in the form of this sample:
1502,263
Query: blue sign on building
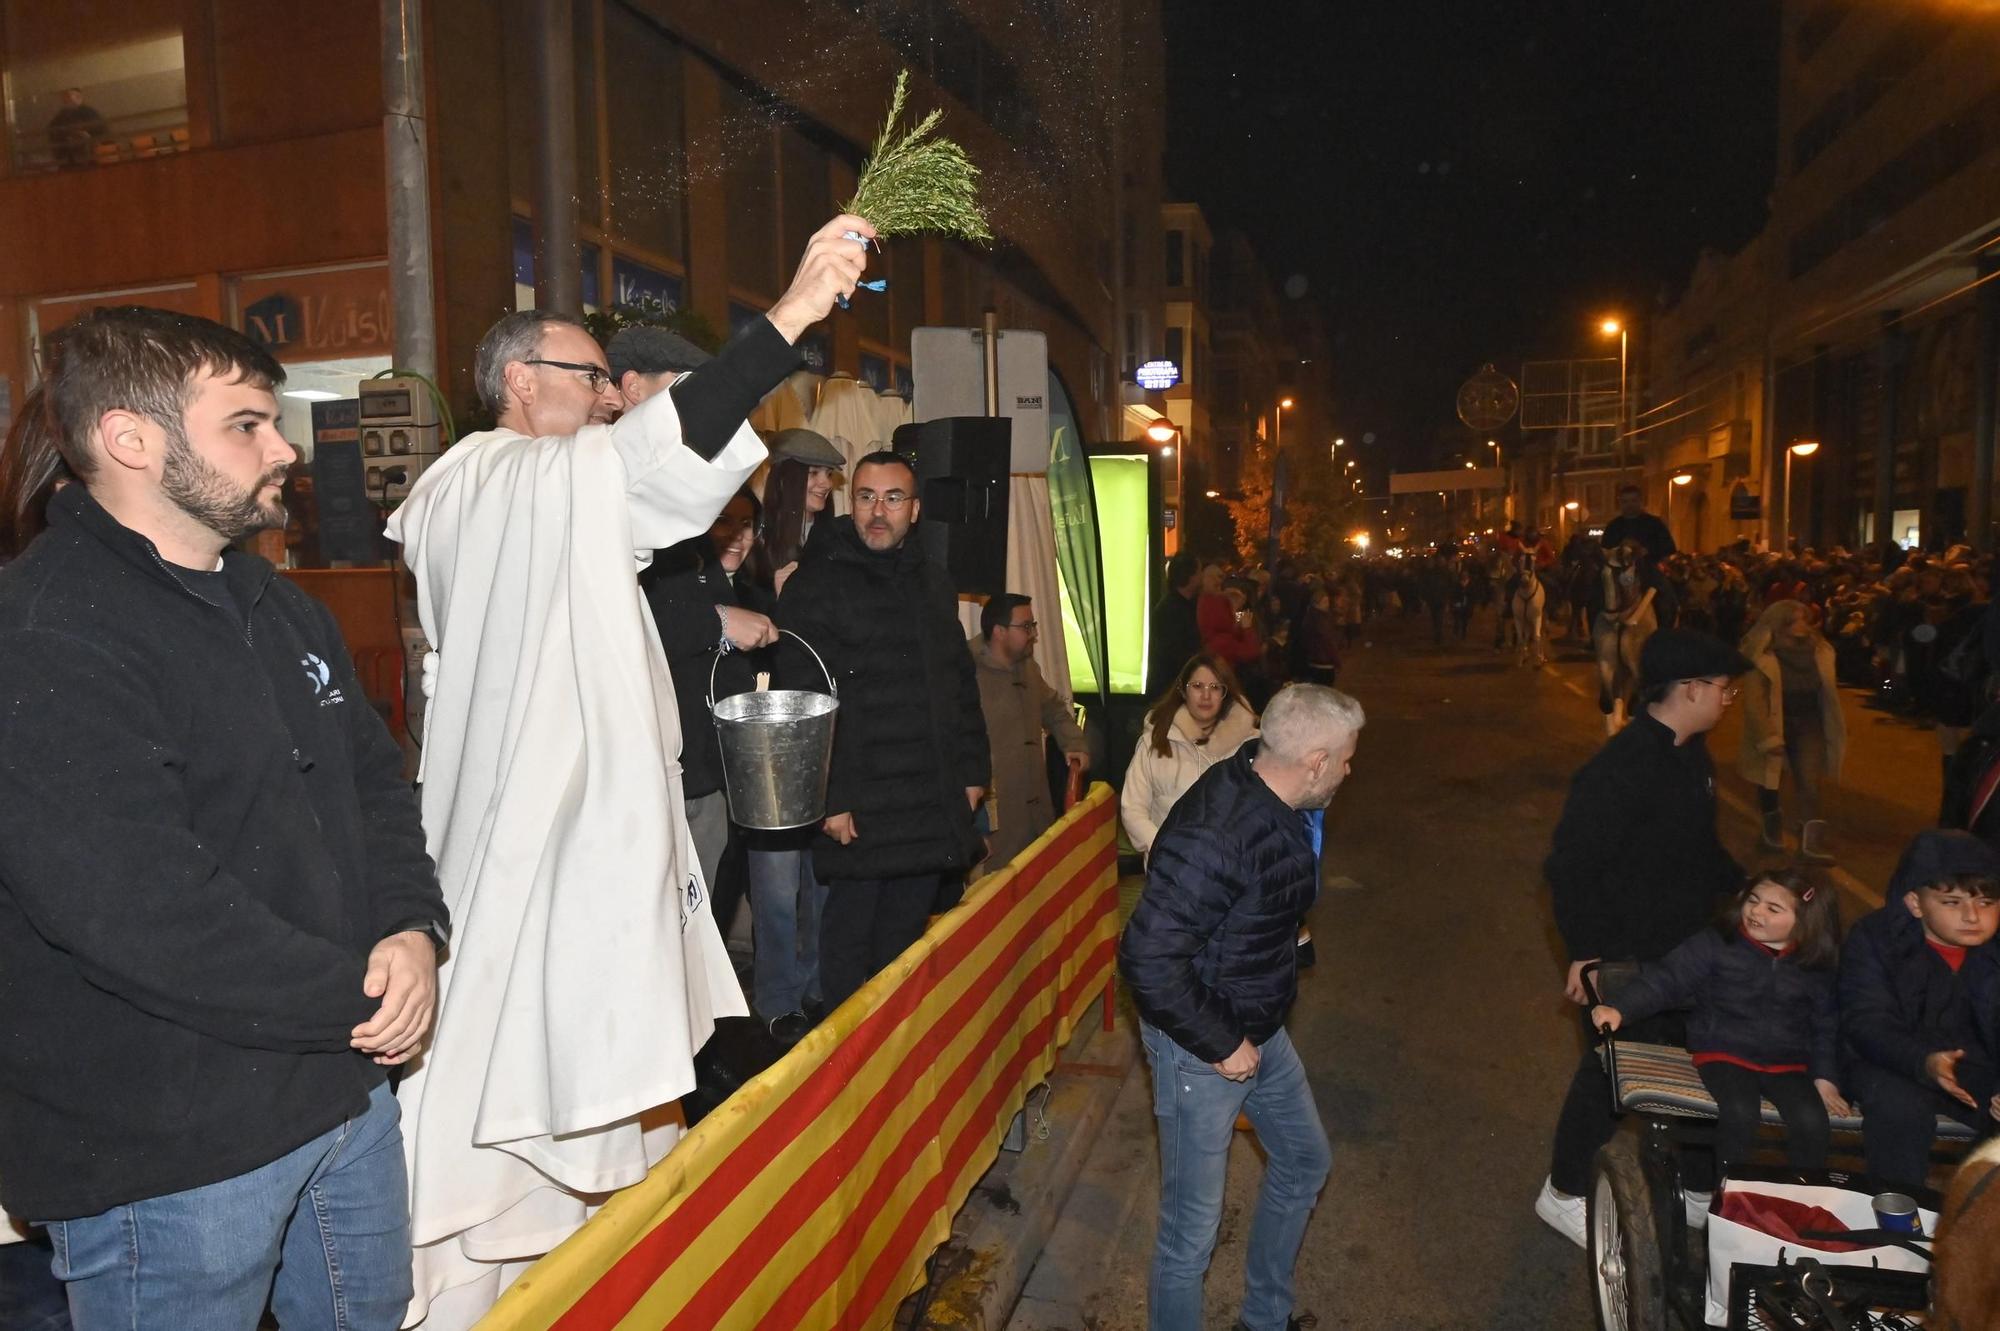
635,284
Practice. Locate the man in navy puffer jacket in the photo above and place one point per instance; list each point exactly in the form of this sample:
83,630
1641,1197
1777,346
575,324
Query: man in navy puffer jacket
1209,956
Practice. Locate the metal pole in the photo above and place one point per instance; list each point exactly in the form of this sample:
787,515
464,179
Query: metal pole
558,260
406,166
1985,409
1624,407
1890,352
990,325
1785,519
1277,514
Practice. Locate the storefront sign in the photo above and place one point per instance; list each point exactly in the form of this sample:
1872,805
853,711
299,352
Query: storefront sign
323,315
1744,506
635,284
1156,375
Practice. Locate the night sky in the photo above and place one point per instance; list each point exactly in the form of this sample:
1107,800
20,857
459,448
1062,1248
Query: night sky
1467,181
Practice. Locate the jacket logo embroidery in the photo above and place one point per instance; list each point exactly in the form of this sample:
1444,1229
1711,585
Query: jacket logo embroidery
690,900
320,676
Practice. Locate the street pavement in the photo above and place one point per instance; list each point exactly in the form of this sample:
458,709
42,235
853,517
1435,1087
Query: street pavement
1433,1028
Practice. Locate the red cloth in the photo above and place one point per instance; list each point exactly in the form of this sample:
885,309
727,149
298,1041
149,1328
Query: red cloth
1954,957
1221,634
1783,1218
1774,1068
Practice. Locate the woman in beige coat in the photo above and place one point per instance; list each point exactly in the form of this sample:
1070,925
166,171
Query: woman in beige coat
1199,721
1791,719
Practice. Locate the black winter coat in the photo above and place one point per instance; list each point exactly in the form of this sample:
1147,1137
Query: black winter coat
1900,1002
683,588
909,736
1636,865
204,828
1742,1001
1173,635
1211,951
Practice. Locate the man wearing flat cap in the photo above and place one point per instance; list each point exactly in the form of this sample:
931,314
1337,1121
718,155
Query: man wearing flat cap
644,360
1636,868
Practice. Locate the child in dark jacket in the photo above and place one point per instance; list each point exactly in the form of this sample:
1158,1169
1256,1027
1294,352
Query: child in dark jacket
1920,1003
1763,1025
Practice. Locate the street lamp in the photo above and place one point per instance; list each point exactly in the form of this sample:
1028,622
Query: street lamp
1161,433
1804,448
1277,482
1608,327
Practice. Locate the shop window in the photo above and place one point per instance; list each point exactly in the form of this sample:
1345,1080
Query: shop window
748,151
524,269
94,82
905,267
643,102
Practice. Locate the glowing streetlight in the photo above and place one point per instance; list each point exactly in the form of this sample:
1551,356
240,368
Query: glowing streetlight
1572,506
1285,403
1213,494
1166,452
1804,448
1360,539
1161,433
1682,479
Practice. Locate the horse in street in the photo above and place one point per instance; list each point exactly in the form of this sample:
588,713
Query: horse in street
1619,634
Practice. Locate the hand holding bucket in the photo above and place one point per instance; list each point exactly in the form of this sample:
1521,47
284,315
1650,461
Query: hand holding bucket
777,746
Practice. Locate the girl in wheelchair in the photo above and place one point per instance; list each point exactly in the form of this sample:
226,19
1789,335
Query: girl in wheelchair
1760,991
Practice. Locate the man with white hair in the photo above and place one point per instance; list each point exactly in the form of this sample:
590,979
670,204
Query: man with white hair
587,968
1209,956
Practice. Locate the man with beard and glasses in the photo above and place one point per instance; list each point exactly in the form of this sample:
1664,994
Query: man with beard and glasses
591,968
910,757
218,924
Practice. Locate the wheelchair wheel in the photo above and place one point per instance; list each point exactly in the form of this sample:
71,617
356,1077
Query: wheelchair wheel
1626,1278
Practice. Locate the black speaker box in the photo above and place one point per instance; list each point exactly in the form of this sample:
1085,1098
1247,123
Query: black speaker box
962,480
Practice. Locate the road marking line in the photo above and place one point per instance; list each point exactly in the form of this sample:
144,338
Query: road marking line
1840,876
1566,682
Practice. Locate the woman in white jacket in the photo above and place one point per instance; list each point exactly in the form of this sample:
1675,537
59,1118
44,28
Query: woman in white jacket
1200,720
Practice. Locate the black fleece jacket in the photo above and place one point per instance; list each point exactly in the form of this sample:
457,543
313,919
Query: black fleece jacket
1636,865
204,829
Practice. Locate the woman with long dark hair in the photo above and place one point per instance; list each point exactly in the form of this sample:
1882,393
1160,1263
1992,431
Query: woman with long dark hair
30,471
798,488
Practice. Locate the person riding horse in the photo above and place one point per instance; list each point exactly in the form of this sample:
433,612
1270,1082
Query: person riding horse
1526,599
1623,623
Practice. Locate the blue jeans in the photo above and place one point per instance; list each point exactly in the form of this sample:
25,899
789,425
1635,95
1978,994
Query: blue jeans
322,1235
1197,1108
785,902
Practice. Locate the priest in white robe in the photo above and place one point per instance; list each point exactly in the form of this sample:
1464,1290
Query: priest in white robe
586,968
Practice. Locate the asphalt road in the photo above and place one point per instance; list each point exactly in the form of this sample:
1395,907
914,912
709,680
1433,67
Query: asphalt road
1432,1026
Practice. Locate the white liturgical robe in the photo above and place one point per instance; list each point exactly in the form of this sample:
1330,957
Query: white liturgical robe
586,967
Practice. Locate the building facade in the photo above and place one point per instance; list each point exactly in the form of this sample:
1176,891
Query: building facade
231,163
1864,313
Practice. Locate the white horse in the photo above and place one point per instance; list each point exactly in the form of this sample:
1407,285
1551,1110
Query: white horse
1525,606
1619,635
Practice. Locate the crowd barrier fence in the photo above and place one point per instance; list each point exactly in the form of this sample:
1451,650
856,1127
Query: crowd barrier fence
814,1195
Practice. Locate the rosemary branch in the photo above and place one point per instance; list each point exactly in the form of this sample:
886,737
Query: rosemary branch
918,181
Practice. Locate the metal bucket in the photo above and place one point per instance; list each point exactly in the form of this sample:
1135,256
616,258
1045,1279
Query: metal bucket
776,747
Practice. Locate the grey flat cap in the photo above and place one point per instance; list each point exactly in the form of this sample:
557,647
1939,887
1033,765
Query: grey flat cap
807,446
651,351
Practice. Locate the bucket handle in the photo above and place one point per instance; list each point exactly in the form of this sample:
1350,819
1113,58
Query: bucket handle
832,686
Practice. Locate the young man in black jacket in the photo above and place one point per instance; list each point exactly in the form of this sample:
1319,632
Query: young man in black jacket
218,924
1211,959
1637,867
910,756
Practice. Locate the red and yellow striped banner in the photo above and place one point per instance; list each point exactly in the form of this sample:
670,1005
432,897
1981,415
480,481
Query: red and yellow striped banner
813,1196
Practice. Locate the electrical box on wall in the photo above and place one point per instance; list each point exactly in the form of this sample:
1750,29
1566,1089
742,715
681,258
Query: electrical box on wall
399,435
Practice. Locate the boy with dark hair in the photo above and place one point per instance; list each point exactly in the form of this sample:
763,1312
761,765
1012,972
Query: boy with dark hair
1920,1002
